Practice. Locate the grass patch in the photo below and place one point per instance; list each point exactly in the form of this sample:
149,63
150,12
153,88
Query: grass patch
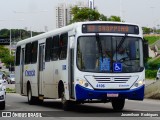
9,90
151,74
152,39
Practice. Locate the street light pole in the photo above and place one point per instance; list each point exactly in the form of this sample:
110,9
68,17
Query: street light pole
10,45
10,41
153,17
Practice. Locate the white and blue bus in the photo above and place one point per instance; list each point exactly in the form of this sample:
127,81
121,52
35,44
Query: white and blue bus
78,63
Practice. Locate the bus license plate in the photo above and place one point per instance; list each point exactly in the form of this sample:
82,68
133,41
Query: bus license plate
112,95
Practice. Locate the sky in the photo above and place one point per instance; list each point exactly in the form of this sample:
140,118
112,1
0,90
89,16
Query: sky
37,14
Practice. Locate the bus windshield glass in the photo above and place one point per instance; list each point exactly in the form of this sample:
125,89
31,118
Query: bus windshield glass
109,54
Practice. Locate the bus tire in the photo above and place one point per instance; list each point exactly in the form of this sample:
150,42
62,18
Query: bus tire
39,102
118,104
31,99
2,105
65,103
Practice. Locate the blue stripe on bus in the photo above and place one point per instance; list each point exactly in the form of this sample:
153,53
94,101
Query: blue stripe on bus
84,93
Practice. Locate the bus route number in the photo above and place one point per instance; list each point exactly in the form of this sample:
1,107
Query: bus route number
100,85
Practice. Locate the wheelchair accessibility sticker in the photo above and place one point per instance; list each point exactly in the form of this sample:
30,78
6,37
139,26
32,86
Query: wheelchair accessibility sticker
117,67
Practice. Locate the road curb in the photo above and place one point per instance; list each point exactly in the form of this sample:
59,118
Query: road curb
153,90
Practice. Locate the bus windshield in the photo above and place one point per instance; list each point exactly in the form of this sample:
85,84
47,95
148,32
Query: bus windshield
109,54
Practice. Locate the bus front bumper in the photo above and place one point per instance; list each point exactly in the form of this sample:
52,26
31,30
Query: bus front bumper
133,94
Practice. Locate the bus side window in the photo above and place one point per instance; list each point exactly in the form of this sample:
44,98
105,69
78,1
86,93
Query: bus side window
63,46
55,48
18,53
34,52
48,49
28,53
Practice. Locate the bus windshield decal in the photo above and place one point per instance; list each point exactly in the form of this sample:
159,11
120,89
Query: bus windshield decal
104,64
110,28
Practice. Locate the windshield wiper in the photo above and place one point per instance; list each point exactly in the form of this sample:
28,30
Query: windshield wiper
121,42
99,45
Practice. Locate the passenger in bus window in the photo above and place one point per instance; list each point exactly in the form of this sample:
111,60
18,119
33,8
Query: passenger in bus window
120,55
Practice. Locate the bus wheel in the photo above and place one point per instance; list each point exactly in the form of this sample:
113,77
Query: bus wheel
2,105
65,103
118,104
39,101
29,95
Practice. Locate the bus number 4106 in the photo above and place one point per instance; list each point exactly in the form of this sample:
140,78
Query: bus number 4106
100,85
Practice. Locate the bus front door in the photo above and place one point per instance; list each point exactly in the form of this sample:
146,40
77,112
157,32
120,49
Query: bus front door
71,68
41,68
22,71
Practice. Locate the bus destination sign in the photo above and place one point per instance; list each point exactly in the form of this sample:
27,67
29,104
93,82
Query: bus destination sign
110,28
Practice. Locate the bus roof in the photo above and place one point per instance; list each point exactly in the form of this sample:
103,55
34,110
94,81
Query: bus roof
65,29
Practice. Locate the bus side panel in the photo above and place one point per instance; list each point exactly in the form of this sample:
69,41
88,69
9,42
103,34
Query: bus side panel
17,79
26,78
30,75
62,74
54,72
49,82
33,79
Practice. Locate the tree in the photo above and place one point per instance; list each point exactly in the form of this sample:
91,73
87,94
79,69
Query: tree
5,56
103,18
114,18
3,51
8,60
146,30
86,14
17,34
4,33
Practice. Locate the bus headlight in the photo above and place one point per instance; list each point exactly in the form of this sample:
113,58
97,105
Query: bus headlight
84,83
139,83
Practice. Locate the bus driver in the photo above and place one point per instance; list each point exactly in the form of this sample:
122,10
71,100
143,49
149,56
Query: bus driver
120,54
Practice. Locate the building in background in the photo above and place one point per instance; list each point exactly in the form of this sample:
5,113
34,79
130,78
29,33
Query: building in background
63,13
60,15
91,4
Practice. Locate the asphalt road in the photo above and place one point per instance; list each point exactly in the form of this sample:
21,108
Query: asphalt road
52,109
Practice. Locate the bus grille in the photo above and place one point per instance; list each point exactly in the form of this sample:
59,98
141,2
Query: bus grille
111,79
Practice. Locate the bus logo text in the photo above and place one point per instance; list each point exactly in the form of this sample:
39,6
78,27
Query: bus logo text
30,73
